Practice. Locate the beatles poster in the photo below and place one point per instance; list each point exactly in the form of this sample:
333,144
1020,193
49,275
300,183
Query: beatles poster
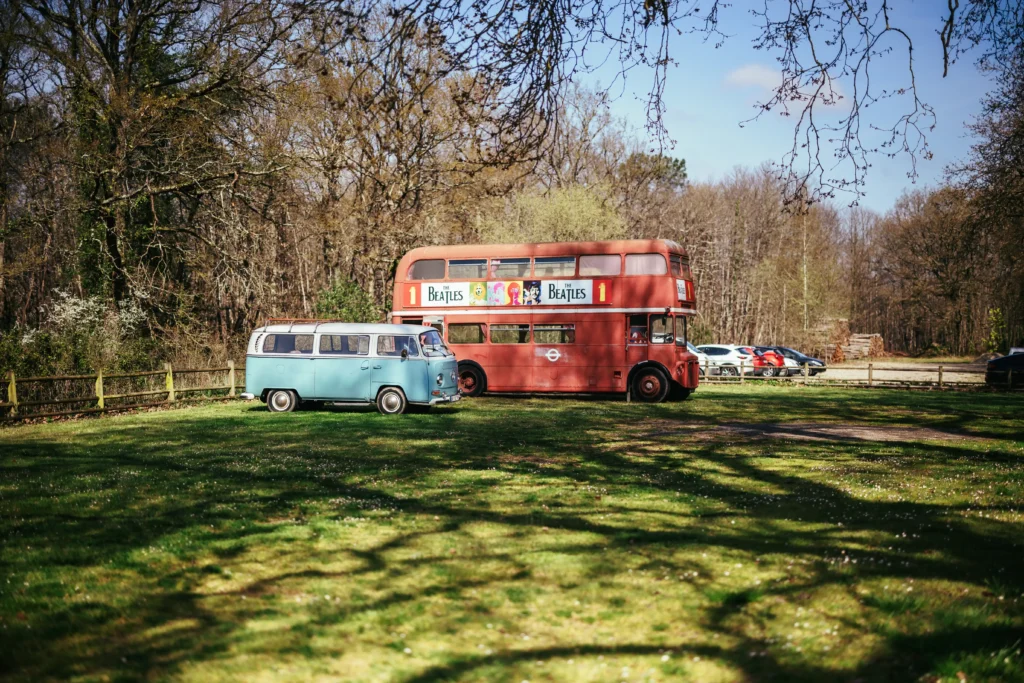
510,293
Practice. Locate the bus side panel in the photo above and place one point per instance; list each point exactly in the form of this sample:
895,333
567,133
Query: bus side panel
279,372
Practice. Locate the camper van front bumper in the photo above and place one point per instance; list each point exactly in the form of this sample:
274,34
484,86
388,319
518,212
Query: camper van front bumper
246,396
446,398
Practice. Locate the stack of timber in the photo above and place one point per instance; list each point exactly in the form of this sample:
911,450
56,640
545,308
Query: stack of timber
863,346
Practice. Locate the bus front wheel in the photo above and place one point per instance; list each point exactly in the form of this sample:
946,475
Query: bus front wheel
282,401
650,385
471,380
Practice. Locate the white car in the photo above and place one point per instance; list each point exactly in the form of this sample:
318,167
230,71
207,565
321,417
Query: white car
701,358
727,359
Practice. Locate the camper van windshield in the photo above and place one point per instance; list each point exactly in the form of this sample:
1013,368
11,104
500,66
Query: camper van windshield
433,345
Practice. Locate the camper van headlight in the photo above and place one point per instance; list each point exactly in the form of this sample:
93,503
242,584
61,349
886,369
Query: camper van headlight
440,379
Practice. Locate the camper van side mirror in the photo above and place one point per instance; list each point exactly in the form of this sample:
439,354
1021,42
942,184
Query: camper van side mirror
405,353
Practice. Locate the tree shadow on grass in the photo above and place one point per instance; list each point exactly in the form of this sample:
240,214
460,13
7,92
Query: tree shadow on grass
250,475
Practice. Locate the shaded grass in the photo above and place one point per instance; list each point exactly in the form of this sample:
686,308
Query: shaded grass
512,539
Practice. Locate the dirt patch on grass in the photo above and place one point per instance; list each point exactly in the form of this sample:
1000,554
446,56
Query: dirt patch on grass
805,431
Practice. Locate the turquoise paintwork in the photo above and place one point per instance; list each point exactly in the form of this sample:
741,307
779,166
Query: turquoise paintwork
353,374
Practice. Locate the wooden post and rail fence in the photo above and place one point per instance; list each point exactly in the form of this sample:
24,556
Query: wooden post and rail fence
222,383
941,377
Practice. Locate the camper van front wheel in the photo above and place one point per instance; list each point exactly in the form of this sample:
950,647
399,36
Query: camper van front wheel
281,401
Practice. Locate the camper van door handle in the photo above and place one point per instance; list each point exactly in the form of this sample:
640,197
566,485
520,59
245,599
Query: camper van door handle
376,367
365,365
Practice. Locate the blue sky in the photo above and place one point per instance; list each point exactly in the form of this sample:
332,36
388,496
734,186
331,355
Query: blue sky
712,91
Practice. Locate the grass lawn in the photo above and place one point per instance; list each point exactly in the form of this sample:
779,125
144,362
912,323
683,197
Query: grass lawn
750,533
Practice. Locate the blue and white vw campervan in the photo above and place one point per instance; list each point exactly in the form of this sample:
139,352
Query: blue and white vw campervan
394,366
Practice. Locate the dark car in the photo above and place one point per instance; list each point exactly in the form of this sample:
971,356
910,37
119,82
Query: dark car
815,366
1006,372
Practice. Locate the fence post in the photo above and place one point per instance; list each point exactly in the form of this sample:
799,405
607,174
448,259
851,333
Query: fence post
169,382
871,374
1009,379
707,367
805,373
741,372
99,388
12,392
231,377
940,377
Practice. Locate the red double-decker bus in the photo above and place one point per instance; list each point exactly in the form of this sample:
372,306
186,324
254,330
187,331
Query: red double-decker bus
557,316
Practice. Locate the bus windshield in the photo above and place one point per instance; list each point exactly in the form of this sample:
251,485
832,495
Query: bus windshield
433,345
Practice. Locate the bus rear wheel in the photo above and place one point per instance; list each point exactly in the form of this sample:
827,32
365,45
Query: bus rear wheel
471,380
650,385
282,401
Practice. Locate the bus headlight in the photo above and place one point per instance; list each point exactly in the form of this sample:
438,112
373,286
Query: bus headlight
440,379
455,378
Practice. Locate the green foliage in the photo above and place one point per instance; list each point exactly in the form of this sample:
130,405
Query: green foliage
996,330
574,213
347,301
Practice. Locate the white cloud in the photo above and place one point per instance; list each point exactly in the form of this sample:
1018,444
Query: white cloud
766,80
754,76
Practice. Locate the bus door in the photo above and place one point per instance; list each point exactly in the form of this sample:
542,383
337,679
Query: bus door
637,338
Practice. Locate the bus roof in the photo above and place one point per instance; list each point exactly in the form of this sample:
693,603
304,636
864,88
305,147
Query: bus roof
342,328
543,249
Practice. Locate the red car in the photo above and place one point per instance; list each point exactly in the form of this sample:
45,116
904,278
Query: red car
762,365
777,360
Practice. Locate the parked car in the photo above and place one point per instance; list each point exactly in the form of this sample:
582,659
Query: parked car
397,367
1006,372
727,358
762,365
701,358
777,362
815,366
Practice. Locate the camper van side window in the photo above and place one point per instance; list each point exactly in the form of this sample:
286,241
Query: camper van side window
345,344
288,343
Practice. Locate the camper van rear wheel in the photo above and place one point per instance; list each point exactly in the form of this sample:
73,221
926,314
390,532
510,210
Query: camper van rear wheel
282,401
391,401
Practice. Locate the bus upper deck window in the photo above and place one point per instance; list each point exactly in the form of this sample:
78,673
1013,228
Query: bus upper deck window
681,266
646,264
600,264
510,268
427,269
467,269
554,266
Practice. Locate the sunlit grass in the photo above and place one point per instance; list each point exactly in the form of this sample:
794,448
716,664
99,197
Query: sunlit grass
526,539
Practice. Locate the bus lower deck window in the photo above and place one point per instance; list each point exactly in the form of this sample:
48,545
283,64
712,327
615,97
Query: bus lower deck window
681,330
661,329
510,334
554,334
638,329
466,333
